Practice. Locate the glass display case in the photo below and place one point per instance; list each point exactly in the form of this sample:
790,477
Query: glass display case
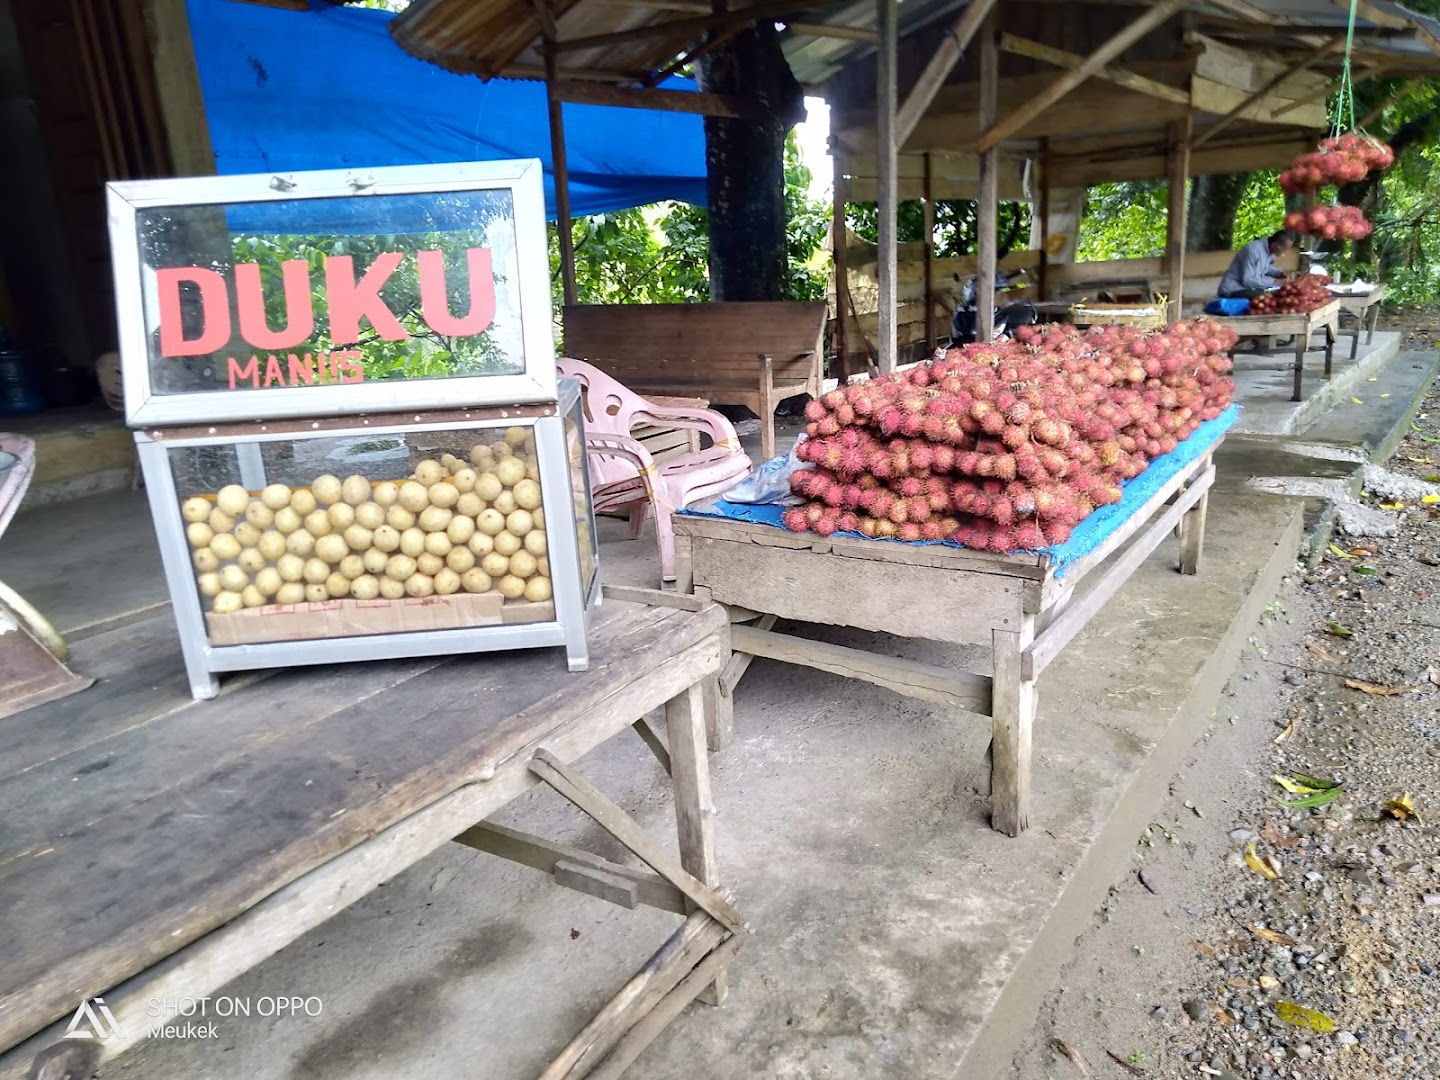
352,435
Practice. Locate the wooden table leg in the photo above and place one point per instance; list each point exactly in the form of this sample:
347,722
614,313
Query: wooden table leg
1192,530
1331,333
1302,340
1374,323
1012,718
694,811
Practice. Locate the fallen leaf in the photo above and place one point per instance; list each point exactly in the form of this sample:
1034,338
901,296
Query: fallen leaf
1238,983
1336,630
1356,401
1314,781
1128,1066
1289,730
1274,937
1365,571
1294,786
1275,836
1428,559
1268,982
1320,798
1430,500
1392,506
1303,1017
1321,653
1401,809
1359,551
1377,690
1202,948
1418,460
1224,1016
1433,478
1072,1054
1255,863
1384,395
1339,552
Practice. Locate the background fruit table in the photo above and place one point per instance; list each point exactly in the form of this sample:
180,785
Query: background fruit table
1366,309
319,785
1301,326
1017,608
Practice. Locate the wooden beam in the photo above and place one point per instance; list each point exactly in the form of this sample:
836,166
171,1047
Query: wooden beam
987,220
1035,50
689,29
838,232
1394,99
711,43
1177,216
998,132
1234,114
1325,91
726,105
830,30
886,208
560,171
1043,210
595,75
546,19
928,241
938,69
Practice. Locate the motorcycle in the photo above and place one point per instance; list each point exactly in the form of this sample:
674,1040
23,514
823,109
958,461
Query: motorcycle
964,321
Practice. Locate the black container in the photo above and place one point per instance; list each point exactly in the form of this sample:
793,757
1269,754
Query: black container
19,388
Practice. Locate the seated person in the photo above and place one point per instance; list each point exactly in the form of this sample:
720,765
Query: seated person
1253,270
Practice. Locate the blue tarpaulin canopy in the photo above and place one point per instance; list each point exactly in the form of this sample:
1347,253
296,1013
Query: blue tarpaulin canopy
328,88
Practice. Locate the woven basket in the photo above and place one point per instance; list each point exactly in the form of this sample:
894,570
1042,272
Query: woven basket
1149,316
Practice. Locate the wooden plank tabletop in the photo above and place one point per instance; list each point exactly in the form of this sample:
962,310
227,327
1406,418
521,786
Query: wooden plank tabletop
1261,325
137,820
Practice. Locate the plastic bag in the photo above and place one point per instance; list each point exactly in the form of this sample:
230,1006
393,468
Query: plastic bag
770,483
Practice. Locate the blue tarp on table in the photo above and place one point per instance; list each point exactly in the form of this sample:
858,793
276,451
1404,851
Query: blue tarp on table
1088,535
328,88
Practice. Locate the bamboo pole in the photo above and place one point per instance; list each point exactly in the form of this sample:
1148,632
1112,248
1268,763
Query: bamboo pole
987,211
561,172
886,208
838,237
1177,218
929,242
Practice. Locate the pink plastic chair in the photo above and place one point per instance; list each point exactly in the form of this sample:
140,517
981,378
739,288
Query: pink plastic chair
622,472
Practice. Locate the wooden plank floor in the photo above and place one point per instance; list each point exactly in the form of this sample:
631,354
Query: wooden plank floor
137,820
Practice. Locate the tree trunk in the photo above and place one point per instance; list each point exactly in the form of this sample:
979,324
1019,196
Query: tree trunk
745,166
1213,202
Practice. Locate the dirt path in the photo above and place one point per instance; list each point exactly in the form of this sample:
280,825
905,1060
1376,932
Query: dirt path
1191,965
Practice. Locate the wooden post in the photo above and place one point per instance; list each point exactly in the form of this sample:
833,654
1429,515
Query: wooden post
1044,212
1192,530
561,172
929,241
987,212
1176,225
886,202
177,84
1012,718
839,234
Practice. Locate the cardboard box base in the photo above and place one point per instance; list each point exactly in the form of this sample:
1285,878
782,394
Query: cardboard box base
362,618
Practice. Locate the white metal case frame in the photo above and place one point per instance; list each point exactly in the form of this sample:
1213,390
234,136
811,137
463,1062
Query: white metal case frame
522,179
572,596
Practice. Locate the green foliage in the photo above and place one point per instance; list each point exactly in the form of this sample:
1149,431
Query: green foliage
1124,221
955,224
659,254
1262,207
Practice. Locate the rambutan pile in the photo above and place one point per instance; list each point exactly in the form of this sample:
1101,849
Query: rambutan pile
1347,159
1303,294
1007,447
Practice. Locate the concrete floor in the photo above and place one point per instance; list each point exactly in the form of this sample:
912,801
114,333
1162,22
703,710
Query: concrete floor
894,933
1265,382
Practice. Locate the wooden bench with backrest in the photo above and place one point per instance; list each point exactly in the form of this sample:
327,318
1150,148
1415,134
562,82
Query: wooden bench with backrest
752,354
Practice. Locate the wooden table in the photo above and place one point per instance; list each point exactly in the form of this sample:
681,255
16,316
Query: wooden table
1301,327
155,847
1366,309
1015,607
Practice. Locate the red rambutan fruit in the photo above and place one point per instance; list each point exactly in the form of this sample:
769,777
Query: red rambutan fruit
794,519
834,495
883,504
944,459
1004,467
911,485
813,511
908,533
917,509
922,457
931,530
1029,537
993,424
815,411
1056,533
1002,541
889,420
826,525
1002,510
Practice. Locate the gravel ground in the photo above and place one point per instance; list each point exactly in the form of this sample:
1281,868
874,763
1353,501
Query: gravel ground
1191,966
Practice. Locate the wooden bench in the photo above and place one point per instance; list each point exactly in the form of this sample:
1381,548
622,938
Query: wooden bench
227,829
751,354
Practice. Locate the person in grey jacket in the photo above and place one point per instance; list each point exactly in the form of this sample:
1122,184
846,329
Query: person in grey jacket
1253,270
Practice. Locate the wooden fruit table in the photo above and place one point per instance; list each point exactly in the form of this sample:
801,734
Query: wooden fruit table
1300,326
1366,309
1017,608
318,785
